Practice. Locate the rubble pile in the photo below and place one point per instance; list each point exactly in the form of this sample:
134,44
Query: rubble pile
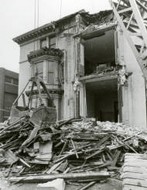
67,148
95,146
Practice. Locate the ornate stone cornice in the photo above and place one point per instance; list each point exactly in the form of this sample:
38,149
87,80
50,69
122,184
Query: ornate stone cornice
44,52
45,29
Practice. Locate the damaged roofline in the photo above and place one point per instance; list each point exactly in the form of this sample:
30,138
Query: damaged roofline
96,33
50,27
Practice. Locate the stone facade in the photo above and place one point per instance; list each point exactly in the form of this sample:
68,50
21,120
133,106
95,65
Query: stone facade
88,68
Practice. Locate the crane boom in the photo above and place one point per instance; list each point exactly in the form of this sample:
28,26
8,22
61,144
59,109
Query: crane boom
131,15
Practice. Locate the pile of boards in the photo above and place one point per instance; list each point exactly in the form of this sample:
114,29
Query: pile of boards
74,149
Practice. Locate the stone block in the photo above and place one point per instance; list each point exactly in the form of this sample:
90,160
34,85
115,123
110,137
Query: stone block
57,184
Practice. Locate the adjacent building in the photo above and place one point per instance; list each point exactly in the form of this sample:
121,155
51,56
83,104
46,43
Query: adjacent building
8,92
88,67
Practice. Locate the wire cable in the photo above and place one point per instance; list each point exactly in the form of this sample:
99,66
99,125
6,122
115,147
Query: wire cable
36,14
60,9
38,6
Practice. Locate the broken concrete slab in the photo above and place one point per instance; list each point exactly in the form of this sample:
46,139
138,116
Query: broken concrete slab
57,184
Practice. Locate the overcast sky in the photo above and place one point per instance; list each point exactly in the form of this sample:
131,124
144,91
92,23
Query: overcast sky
17,17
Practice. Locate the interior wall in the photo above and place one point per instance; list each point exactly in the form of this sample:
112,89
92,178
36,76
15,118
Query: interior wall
90,103
102,105
106,106
99,51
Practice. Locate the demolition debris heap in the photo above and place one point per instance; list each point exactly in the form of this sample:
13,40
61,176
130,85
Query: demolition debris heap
68,148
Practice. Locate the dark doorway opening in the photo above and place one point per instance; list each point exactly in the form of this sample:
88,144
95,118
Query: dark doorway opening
102,100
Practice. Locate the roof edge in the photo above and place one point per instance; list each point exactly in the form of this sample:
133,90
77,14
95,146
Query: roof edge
44,29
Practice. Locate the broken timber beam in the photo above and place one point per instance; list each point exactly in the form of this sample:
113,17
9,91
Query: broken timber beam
88,185
69,176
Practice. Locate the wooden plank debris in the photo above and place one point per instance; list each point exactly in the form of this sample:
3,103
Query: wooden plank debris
88,185
69,176
73,146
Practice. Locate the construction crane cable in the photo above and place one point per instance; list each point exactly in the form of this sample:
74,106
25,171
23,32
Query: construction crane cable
34,18
36,25
60,9
36,13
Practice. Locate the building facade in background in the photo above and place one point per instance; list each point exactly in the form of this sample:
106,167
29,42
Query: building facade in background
88,67
8,92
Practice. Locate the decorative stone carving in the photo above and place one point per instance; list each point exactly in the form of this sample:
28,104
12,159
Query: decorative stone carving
122,76
45,51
